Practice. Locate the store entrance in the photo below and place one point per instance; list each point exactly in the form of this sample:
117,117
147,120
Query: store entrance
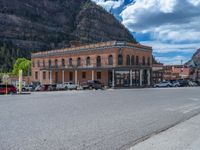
122,78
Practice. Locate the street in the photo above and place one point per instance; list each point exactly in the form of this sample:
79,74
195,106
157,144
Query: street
91,120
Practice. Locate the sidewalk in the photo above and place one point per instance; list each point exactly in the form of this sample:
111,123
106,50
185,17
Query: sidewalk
184,136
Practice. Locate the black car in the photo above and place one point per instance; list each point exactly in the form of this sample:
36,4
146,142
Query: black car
183,83
92,84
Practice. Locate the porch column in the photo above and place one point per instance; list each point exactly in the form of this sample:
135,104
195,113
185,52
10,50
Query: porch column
92,74
131,78
50,77
41,77
149,77
76,77
141,77
113,78
63,76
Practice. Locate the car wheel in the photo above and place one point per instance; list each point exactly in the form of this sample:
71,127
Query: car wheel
90,87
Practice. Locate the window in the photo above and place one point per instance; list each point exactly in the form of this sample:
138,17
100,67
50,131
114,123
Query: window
33,64
83,75
98,75
36,75
38,63
56,62
79,61
110,60
128,61
98,61
137,60
120,59
49,63
44,75
143,60
63,62
149,63
43,63
71,76
70,62
132,60
88,61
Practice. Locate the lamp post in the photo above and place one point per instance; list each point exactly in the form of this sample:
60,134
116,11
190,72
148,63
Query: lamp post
5,79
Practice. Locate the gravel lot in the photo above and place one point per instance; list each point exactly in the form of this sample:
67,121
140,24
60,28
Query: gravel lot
91,120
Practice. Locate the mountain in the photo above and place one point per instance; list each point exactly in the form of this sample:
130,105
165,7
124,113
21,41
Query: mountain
195,61
35,25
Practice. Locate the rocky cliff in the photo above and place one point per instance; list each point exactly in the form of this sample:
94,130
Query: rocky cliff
195,61
48,24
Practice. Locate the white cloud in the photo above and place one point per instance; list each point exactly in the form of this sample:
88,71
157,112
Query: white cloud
172,60
109,4
165,20
159,47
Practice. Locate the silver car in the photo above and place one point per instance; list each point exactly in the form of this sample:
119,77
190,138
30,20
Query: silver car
163,84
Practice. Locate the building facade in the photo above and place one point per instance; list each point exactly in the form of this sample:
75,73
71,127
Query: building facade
114,63
157,72
175,72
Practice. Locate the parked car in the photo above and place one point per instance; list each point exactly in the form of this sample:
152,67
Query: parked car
52,87
164,84
28,88
60,87
92,84
183,83
11,89
175,83
40,88
191,83
69,86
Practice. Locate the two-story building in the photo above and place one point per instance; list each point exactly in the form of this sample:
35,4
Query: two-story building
114,63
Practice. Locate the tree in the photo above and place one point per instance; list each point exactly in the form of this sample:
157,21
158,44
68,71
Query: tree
22,64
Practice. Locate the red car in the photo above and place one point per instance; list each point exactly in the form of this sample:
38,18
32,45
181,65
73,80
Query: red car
10,89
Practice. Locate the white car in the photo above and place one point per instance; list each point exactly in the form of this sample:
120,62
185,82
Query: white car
163,84
175,84
70,86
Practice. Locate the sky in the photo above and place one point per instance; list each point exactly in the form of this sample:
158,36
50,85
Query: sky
171,27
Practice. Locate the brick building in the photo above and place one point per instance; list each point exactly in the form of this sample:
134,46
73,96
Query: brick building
175,72
114,63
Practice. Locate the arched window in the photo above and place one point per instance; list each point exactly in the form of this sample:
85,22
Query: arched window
120,59
70,62
132,60
137,60
63,62
98,61
143,60
149,63
56,62
49,63
128,61
38,63
88,61
43,63
33,63
110,60
78,61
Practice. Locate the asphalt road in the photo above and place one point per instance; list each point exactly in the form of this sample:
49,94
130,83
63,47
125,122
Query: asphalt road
91,120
